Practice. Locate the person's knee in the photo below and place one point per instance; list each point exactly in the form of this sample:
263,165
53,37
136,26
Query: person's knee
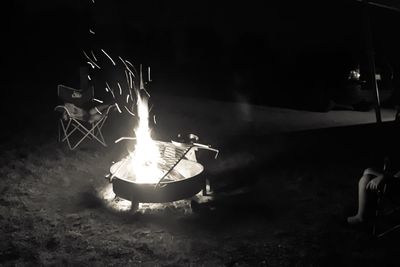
370,171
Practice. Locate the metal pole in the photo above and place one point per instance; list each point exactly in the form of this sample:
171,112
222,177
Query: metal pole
372,83
392,8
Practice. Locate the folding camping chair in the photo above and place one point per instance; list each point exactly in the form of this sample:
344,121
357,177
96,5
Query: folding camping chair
387,211
79,123
386,216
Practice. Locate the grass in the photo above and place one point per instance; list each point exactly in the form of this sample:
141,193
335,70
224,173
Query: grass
296,191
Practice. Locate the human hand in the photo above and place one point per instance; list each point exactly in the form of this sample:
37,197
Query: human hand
374,183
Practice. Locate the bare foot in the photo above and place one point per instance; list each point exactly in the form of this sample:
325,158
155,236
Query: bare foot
354,220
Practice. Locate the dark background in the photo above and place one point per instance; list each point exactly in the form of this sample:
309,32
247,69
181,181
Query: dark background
297,187
282,53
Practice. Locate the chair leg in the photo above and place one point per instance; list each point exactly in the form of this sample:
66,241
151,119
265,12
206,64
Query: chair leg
100,127
388,231
379,213
97,130
89,133
101,137
74,125
67,134
65,130
78,143
98,133
377,216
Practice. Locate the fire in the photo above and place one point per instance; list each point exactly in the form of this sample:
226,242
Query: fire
146,156
146,164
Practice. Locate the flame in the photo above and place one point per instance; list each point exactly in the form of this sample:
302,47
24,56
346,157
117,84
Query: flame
146,155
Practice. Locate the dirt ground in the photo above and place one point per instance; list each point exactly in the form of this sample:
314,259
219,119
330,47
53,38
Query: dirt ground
279,201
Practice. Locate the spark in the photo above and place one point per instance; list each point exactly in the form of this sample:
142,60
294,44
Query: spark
107,90
130,112
127,78
90,60
127,61
122,60
141,86
124,138
120,89
131,85
154,119
147,93
91,51
89,77
148,73
130,95
91,64
130,71
126,66
119,110
92,32
127,98
132,82
97,100
113,62
108,86
98,110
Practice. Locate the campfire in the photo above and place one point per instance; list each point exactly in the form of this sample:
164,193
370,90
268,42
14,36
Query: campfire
154,171
157,171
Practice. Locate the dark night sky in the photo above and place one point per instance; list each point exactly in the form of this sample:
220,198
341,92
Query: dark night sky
216,49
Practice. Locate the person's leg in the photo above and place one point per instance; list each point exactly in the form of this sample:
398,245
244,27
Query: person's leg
364,197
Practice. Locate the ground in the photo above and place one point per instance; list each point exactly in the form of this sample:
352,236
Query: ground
280,200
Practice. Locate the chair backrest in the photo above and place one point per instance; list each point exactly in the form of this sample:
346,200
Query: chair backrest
74,96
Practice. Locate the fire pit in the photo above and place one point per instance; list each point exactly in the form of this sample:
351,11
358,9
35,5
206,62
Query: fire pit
178,176
154,171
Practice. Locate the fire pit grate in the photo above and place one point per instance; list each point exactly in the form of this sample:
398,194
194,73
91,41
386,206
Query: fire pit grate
182,176
171,155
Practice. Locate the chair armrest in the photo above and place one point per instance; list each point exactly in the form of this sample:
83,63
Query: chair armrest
73,111
61,108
